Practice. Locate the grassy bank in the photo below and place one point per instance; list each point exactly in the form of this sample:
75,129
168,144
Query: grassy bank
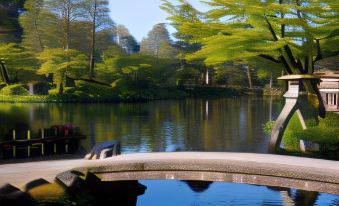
326,134
85,92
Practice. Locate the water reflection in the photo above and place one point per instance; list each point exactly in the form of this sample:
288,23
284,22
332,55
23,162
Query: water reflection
198,186
92,191
166,192
293,197
230,124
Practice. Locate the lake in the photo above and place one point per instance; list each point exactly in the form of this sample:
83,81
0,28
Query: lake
226,124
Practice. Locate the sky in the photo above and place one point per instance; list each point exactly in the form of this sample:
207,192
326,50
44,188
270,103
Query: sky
139,16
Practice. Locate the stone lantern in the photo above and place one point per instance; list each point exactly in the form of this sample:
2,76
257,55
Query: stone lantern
295,99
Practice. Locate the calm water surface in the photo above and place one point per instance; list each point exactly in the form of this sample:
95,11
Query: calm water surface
228,124
195,193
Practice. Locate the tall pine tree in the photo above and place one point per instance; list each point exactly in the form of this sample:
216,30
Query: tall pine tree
67,12
125,40
97,13
158,43
39,25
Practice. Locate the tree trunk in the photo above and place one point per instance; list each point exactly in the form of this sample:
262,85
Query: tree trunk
4,73
249,77
271,81
61,88
207,77
91,60
68,20
37,30
62,83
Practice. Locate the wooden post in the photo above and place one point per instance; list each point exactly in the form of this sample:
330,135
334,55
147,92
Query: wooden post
55,148
28,147
42,144
66,146
14,147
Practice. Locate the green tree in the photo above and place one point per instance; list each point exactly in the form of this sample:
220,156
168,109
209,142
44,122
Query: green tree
180,14
39,27
62,64
30,20
98,15
105,70
161,71
67,12
16,64
158,43
293,35
80,35
125,40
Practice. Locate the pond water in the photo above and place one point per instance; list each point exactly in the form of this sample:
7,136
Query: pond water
227,124
196,193
190,193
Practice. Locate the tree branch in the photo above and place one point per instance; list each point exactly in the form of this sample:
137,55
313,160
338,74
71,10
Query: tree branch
319,55
90,80
4,73
287,67
282,15
268,57
286,48
271,29
307,64
300,67
290,56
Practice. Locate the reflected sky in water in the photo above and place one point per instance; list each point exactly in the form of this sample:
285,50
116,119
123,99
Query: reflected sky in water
179,193
227,124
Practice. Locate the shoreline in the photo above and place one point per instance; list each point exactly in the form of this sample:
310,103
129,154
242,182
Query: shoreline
70,98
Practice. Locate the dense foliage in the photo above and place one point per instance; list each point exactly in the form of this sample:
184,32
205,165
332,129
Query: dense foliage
59,43
282,34
14,89
62,42
326,134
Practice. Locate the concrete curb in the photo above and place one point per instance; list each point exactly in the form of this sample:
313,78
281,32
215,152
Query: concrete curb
263,169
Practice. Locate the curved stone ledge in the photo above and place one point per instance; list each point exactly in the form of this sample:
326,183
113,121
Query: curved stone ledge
263,169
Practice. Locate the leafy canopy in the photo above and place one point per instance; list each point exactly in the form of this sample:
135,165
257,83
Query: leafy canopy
19,64
62,63
291,34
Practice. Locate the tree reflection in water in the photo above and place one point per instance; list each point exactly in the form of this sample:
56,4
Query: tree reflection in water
294,197
198,186
226,124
